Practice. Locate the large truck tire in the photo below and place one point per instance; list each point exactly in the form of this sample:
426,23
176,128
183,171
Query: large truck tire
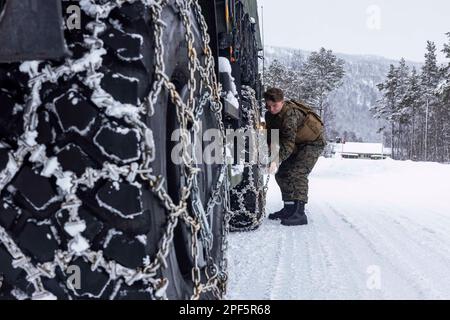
88,187
248,197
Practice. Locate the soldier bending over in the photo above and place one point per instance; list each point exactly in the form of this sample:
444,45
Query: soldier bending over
301,142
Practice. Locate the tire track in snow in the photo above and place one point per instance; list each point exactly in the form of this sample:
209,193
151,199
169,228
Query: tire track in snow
328,259
254,262
434,240
316,279
421,260
343,265
394,259
380,252
296,277
283,263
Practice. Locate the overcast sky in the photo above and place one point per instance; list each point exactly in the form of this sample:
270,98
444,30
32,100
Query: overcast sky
389,28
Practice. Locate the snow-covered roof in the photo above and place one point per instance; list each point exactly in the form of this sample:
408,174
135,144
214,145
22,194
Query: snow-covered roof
387,150
360,148
363,148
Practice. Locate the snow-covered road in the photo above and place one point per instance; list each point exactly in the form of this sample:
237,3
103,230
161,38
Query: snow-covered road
378,230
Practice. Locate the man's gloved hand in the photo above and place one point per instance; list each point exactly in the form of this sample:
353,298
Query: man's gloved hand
273,168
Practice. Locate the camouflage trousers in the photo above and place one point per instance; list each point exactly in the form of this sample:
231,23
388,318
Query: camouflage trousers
292,176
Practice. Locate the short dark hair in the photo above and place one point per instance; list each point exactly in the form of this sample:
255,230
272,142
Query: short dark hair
274,94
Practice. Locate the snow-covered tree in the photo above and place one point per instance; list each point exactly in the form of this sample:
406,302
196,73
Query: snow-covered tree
386,105
394,108
280,76
417,108
310,81
321,74
444,93
276,75
430,81
444,86
410,106
402,110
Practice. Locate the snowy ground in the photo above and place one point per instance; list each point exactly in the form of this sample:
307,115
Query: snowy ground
378,230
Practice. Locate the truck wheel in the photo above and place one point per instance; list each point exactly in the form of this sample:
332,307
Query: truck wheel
248,198
90,203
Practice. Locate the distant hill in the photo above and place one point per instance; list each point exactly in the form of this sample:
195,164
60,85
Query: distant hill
352,101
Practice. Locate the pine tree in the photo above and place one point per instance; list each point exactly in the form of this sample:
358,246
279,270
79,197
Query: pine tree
444,93
280,76
402,114
276,75
385,107
321,74
417,108
444,86
430,81
410,107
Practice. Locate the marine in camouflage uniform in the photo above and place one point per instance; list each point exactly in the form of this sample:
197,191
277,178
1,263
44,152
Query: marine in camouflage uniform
297,160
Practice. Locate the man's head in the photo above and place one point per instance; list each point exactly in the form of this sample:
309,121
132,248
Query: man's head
274,100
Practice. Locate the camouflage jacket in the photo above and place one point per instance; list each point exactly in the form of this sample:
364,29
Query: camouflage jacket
288,120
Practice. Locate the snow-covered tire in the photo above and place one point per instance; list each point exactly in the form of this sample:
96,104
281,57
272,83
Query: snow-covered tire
77,129
251,217
248,198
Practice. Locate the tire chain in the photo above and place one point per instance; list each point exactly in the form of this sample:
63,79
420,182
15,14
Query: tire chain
187,112
252,115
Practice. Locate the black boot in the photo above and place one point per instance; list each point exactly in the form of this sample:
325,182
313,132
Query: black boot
284,213
298,218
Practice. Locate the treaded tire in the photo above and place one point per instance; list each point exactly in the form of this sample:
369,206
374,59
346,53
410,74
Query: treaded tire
124,220
248,198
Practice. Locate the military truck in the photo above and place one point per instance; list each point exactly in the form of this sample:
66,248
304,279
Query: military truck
91,91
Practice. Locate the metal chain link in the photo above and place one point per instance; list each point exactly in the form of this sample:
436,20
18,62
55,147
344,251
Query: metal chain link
252,115
187,113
